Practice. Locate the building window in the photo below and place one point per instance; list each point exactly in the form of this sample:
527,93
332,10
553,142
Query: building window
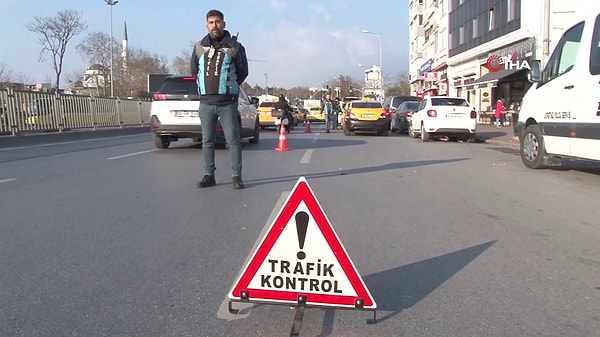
443,40
475,28
461,35
511,10
491,19
441,6
437,40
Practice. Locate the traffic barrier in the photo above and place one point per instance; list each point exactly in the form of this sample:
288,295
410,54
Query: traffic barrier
282,143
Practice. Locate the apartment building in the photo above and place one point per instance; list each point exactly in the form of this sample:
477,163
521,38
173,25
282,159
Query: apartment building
481,49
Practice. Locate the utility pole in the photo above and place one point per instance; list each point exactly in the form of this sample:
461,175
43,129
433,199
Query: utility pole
111,3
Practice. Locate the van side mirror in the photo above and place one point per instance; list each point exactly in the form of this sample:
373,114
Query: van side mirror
254,100
535,71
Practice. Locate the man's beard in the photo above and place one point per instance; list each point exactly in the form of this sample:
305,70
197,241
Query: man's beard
216,34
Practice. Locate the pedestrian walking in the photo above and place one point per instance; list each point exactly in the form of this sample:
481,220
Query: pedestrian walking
327,108
500,112
220,65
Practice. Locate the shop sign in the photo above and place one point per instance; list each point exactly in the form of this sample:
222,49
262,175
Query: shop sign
431,76
496,63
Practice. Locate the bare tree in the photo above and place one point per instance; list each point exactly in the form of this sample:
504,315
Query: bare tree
55,33
181,63
140,63
401,85
96,49
5,74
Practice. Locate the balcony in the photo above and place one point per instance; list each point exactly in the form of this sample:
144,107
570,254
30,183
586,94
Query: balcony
415,8
417,31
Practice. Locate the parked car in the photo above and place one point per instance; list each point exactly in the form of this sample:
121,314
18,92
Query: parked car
174,113
365,116
391,103
402,115
442,116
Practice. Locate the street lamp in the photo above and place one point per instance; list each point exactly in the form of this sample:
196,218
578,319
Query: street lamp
380,57
111,3
266,85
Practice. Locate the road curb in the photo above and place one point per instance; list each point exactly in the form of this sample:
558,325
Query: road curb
40,138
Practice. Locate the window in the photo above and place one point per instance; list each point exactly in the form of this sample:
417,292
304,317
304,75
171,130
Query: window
565,53
475,28
437,41
595,52
491,20
441,7
449,101
461,35
443,40
511,10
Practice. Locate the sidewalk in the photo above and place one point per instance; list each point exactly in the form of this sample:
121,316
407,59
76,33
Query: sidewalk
492,134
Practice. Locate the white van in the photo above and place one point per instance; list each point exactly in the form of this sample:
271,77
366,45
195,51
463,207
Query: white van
560,113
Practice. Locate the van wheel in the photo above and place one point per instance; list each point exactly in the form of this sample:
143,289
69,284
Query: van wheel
424,134
532,147
162,142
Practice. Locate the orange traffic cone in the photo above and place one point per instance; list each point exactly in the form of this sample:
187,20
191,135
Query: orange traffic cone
282,144
307,128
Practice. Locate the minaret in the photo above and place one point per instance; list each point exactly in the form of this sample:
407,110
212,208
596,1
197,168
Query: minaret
124,55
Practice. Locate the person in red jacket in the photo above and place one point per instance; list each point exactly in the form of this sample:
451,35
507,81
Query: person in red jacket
500,111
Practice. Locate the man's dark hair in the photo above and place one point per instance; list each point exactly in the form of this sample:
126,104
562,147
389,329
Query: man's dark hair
215,12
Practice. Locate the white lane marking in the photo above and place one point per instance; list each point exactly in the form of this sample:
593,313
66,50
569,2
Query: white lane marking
66,143
6,180
306,157
131,154
245,308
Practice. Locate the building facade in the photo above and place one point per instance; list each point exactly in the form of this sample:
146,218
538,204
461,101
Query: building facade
482,48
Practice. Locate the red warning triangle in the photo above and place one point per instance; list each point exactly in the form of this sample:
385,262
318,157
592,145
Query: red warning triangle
301,260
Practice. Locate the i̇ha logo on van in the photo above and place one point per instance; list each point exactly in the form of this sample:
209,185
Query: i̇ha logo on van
496,63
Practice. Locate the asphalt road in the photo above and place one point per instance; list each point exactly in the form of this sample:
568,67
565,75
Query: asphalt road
110,237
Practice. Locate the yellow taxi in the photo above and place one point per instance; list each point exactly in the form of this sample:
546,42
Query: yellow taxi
267,118
314,115
367,116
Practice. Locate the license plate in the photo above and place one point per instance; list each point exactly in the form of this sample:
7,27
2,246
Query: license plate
453,115
185,113
367,116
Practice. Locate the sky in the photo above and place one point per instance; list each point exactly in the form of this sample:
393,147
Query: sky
289,43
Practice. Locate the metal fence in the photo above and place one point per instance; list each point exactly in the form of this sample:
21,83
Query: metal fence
30,112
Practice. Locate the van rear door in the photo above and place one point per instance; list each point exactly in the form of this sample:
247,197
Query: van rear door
584,144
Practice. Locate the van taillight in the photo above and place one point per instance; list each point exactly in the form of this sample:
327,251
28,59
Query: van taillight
432,113
160,97
473,114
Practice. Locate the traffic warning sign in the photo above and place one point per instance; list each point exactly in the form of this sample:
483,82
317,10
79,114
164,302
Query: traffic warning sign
301,260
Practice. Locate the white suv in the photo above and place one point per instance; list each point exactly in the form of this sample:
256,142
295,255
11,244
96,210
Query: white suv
442,116
174,113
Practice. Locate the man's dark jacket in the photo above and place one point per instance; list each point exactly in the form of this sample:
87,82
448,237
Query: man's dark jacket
220,67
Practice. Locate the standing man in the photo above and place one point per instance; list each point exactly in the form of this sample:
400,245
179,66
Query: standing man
327,108
220,65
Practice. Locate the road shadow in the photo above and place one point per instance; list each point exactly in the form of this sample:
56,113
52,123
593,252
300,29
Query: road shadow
401,288
367,169
270,144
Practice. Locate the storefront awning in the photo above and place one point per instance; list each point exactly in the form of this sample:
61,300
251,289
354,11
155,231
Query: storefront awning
495,76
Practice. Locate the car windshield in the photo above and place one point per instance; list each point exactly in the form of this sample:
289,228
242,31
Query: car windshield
182,86
399,100
409,106
366,105
449,101
267,104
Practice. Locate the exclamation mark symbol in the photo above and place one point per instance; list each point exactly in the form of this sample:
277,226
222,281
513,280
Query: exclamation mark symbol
301,227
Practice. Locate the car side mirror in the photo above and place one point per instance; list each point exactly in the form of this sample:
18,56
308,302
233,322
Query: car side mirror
254,100
535,71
